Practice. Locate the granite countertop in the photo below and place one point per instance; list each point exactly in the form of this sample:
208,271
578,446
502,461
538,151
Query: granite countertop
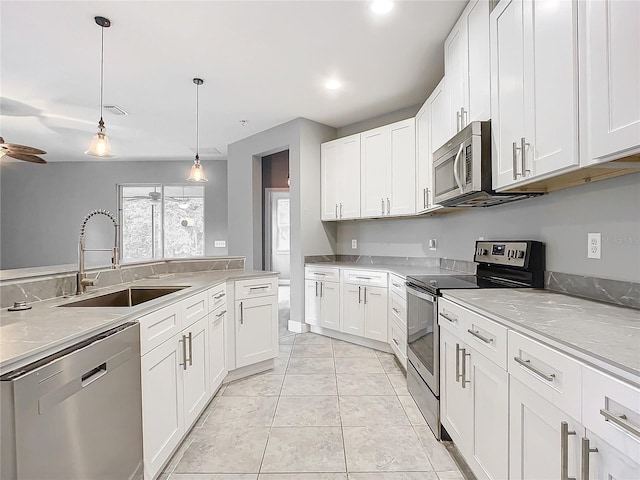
591,329
30,335
400,270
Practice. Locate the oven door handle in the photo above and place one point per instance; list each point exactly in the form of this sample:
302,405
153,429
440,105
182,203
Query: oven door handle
455,168
420,294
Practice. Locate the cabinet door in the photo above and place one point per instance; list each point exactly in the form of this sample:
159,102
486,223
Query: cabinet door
376,326
162,403
329,177
312,302
478,71
256,330
217,365
424,158
403,168
330,311
455,70
507,90
490,405
196,376
610,57
439,115
376,152
534,436
455,401
610,463
348,172
551,87
352,310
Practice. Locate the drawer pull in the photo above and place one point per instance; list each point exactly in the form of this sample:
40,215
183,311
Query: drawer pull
447,317
262,287
364,278
221,314
621,421
564,451
527,364
396,285
219,296
317,273
584,460
396,342
395,310
481,337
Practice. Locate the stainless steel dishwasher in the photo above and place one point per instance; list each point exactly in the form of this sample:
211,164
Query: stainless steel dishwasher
76,414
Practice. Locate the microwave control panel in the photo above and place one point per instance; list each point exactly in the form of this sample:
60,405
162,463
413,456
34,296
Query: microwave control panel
502,253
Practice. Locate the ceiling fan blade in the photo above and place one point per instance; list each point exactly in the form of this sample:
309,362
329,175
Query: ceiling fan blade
15,148
26,157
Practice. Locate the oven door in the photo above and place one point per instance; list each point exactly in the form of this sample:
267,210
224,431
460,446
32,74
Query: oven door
423,336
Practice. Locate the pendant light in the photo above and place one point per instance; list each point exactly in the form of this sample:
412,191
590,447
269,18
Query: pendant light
197,171
100,144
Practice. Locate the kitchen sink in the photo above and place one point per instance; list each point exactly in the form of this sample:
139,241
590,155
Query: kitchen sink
125,298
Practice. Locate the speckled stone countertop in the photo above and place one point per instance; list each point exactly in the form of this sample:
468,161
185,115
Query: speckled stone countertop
591,330
47,328
400,270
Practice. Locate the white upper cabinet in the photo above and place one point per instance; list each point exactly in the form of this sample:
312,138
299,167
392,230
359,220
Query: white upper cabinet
440,115
610,79
340,174
466,57
402,182
534,97
375,166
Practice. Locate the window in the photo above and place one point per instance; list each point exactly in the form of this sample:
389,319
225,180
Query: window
161,221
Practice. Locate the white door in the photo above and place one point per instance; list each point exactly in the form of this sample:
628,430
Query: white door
551,87
217,368
534,432
403,168
312,302
611,60
162,403
329,178
478,67
507,91
196,376
352,310
376,325
424,158
455,402
348,173
375,145
440,117
330,314
455,57
610,463
256,330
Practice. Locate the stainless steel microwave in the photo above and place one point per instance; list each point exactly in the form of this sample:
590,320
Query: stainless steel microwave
462,170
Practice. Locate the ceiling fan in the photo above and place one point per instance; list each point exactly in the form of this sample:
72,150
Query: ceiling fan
21,152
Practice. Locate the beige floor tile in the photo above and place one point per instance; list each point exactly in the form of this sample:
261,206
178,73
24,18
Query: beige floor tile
399,383
304,449
378,449
394,476
362,411
437,453
311,339
171,466
213,476
288,340
364,384
390,365
450,476
302,476
238,412
317,411
263,384
285,350
302,385
301,365
226,451
384,354
280,365
344,349
358,365
412,410
315,351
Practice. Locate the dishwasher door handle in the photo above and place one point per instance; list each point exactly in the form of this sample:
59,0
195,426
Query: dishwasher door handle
94,374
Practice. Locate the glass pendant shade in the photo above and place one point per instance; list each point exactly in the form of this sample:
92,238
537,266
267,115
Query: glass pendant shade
197,172
100,145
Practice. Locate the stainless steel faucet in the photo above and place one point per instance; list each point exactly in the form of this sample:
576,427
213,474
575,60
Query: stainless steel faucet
81,277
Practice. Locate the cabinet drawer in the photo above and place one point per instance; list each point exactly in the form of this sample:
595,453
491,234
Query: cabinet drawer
398,341
606,401
256,287
486,337
555,376
451,317
159,326
217,296
329,274
194,308
398,309
365,277
397,286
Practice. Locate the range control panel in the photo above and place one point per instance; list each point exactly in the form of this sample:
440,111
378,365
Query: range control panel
502,253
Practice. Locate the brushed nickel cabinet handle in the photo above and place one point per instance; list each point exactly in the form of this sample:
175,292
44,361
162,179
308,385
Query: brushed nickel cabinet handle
447,317
458,362
359,294
428,202
523,158
341,210
480,336
184,352
463,374
364,278
564,451
464,115
514,156
261,287
190,349
241,315
584,458
221,314
365,295
527,364
382,205
388,207
424,198
316,289
321,289
219,296
458,122
621,421
395,310
336,210
396,342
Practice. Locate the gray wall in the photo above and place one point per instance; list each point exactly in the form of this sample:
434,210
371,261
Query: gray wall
561,219
42,206
309,235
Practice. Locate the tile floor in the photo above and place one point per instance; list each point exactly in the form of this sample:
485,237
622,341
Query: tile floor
329,410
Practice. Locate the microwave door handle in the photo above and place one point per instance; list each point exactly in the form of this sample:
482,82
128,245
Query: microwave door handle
455,168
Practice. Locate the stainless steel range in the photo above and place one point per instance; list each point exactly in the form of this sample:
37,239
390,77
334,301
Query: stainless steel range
501,264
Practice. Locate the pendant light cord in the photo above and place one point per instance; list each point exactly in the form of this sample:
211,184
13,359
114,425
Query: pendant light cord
101,70
197,124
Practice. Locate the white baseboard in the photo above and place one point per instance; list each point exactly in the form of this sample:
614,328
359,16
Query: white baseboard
297,327
249,370
365,342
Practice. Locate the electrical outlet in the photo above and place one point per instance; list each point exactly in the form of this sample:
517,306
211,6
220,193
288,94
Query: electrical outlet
433,244
594,245
220,244
354,243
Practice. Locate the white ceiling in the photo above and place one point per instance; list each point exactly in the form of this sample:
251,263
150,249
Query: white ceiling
262,61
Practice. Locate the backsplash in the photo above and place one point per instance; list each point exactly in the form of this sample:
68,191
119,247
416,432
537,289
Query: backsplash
430,262
33,289
611,291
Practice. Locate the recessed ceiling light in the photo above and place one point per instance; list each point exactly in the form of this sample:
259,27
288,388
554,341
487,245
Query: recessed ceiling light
333,84
381,7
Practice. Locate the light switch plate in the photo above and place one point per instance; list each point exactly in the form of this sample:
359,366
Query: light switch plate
594,245
354,243
220,244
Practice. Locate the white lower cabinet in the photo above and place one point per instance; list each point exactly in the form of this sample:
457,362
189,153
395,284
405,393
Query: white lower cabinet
608,462
322,304
196,370
217,351
352,310
256,330
364,312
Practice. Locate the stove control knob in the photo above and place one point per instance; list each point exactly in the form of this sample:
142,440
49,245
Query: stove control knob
482,251
509,253
520,253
